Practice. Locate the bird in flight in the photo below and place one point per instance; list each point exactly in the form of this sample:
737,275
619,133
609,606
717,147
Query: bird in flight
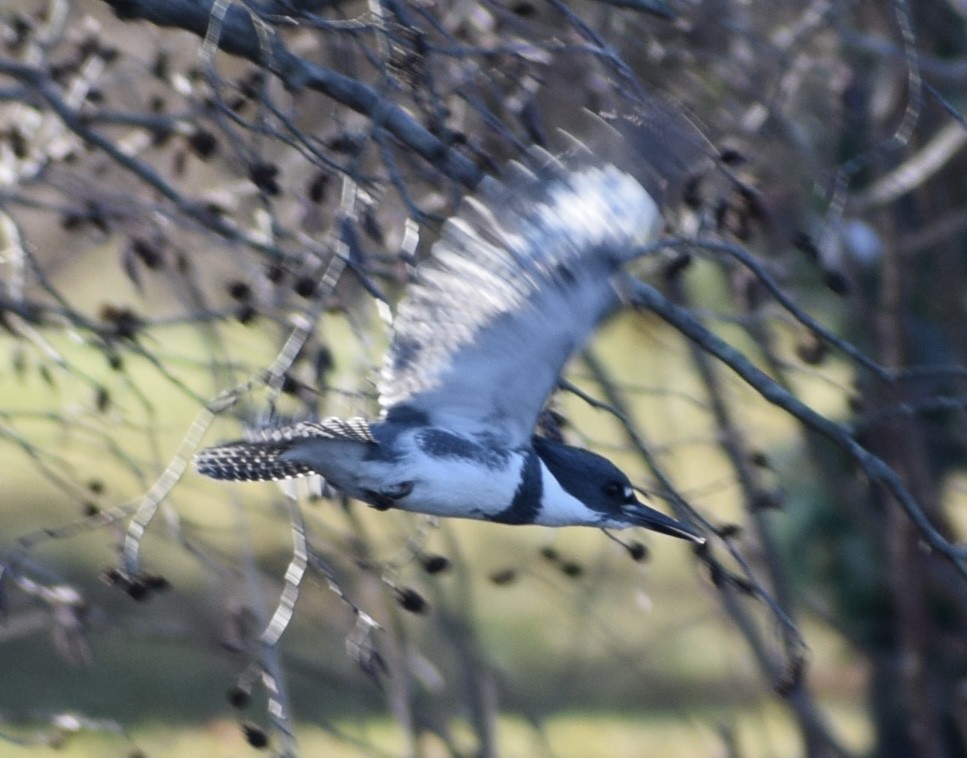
519,280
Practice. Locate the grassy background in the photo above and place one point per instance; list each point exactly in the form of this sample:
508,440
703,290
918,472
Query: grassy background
624,659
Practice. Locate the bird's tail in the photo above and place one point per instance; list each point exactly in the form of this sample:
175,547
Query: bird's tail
249,461
261,458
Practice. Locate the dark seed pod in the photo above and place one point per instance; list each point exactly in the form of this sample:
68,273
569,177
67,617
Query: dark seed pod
717,575
156,582
317,187
246,313
548,553
638,551
255,735
411,600
434,564
274,272
732,157
837,282
240,291
203,144
147,252
263,176
305,286
676,266
759,458
811,350
744,586
110,576
804,244
503,577
137,590
238,697
572,569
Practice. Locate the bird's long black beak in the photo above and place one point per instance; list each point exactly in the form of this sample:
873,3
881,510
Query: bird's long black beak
641,515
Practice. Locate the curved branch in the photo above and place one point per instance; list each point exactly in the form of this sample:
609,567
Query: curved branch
874,467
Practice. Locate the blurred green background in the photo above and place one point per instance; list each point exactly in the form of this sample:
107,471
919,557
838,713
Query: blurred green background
592,653
147,273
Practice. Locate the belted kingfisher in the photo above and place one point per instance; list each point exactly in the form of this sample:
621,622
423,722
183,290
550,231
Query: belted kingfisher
519,279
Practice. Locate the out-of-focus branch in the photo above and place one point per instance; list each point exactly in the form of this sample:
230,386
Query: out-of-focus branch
918,169
239,35
874,467
784,674
783,298
39,82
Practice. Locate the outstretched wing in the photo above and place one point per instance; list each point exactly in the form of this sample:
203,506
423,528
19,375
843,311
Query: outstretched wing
517,282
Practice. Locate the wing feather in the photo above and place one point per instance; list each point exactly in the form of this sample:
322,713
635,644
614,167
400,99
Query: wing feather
519,279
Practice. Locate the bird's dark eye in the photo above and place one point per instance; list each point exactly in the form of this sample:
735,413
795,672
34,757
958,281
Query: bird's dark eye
619,491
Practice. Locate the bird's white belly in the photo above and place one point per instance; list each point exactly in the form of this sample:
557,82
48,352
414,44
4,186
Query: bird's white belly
465,480
462,488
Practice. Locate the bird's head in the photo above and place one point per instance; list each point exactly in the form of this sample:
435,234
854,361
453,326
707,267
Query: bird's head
604,491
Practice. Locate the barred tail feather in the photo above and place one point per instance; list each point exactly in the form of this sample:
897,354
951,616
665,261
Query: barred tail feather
245,461
259,458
